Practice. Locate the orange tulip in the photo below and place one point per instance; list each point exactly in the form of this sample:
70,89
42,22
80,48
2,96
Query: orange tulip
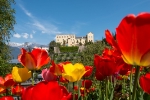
133,39
2,87
35,59
17,90
6,82
57,69
9,82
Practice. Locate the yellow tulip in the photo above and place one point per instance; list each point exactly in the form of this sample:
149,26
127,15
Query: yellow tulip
73,73
20,74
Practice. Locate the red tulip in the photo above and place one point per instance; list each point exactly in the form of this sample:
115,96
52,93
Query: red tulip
99,76
27,94
110,39
17,90
92,89
105,66
82,91
89,70
63,80
9,81
125,69
144,82
132,35
35,59
75,88
65,93
45,91
87,83
7,98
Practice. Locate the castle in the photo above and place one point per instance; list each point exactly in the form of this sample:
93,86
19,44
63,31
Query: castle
72,40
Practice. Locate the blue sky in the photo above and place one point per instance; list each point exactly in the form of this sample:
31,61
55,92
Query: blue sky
39,21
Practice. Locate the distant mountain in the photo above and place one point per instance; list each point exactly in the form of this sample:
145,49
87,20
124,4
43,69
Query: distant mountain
15,47
15,51
26,44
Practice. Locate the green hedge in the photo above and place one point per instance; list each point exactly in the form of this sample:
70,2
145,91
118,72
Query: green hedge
69,49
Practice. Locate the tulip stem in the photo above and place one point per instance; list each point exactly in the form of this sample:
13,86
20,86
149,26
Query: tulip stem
78,89
135,82
106,88
100,89
73,91
32,73
130,91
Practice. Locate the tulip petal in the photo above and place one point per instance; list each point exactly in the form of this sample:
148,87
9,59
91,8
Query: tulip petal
69,77
68,68
47,91
48,76
1,81
7,98
89,70
8,81
27,59
144,82
132,34
56,69
20,74
27,94
110,39
41,56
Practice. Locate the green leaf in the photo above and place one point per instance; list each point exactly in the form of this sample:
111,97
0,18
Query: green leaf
146,96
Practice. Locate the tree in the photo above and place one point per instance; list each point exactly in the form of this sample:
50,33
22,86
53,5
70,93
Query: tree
87,55
52,44
87,43
7,21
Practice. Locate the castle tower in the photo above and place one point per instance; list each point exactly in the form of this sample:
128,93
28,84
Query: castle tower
90,37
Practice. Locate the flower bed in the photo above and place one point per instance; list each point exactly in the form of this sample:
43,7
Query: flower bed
120,73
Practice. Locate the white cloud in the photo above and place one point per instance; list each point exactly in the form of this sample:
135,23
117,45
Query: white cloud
46,27
40,25
31,36
25,35
17,35
33,32
26,11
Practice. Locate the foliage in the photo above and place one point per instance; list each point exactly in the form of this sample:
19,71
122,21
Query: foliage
86,57
7,21
69,49
88,43
52,44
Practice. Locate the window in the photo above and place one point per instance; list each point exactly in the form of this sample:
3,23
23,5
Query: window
58,40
